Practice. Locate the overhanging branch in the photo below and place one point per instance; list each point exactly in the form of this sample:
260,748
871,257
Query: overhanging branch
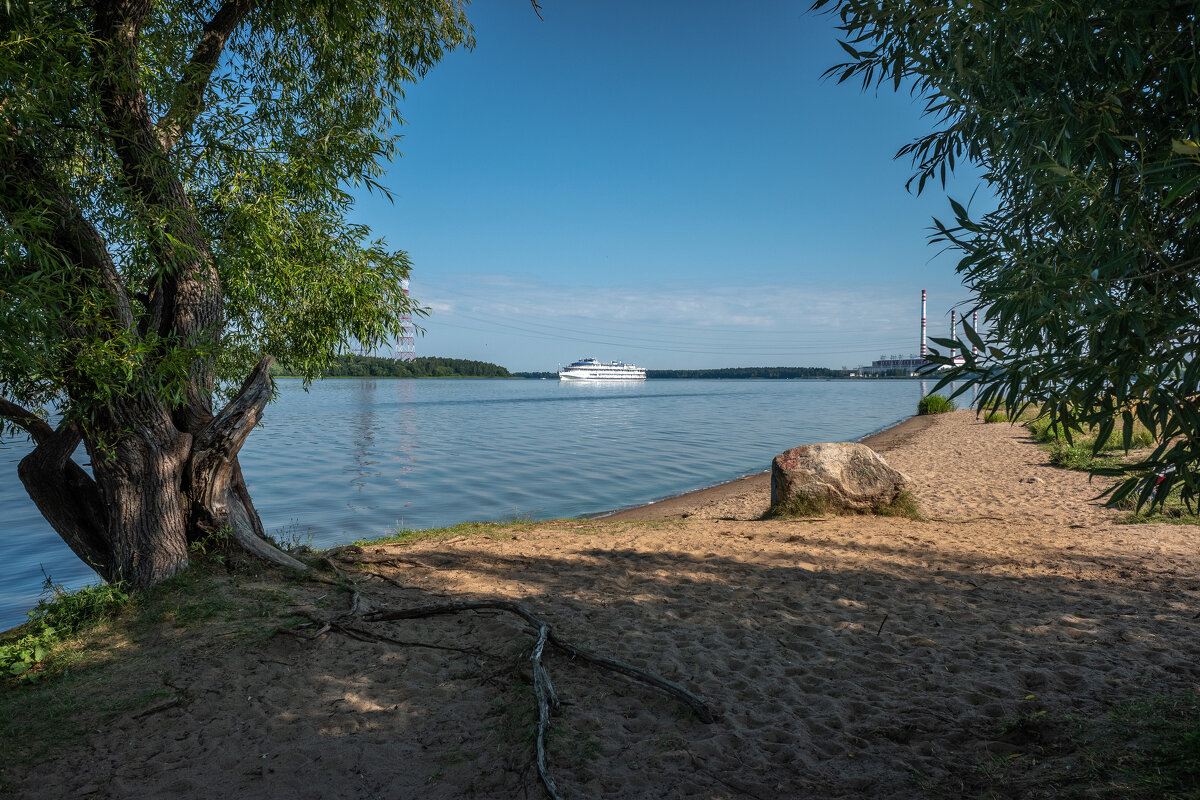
66,495
25,419
25,187
188,101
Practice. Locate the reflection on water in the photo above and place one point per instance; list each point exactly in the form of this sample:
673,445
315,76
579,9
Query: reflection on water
353,459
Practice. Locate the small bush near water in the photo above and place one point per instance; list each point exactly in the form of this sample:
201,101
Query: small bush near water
935,404
57,616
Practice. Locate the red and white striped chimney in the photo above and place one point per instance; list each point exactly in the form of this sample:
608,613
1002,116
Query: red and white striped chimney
953,332
974,327
923,348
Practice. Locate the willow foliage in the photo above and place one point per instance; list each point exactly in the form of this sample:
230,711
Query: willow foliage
267,116
1083,116
175,184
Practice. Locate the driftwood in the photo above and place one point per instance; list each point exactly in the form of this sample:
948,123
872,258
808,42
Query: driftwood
329,624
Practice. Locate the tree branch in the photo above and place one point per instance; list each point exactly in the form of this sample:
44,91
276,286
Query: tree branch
212,479
67,496
188,99
31,423
26,188
706,714
225,434
185,301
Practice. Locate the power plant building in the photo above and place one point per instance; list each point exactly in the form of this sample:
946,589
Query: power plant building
914,364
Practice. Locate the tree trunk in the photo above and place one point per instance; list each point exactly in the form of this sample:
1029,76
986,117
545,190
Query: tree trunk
66,495
218,499
154,489
138,477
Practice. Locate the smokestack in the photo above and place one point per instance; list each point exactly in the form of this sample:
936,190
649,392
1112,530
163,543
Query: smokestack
923,348
975,327
953,332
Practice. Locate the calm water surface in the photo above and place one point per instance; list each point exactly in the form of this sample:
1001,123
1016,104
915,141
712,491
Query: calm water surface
352,459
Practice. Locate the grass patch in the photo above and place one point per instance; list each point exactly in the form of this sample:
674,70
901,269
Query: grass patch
935,404
1148,748
904,505
995,416
1172,511
1079,452
59,615
102,648
1045,433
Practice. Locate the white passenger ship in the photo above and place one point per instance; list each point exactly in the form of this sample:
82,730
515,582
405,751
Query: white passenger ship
589,369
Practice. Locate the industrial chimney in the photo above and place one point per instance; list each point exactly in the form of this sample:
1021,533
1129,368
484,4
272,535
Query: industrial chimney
924,351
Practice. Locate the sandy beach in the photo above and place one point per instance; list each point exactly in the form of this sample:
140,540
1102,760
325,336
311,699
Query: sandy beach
846,657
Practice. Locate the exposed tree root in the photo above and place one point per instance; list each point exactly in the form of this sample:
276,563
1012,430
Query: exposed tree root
697,705
547,698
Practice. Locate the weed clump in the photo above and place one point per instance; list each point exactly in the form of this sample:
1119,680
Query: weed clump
58,614
935,404
1142,748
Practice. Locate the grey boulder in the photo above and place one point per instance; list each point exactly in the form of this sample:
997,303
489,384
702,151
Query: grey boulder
839,476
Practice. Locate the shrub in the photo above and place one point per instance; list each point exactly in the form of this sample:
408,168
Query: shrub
935,404
60,614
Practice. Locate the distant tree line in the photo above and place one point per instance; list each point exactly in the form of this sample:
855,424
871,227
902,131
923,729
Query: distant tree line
353,366
730,373
748,372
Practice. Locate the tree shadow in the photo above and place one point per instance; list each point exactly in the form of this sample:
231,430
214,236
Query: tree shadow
839,667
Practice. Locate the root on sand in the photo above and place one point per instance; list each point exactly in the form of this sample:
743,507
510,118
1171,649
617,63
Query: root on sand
547,698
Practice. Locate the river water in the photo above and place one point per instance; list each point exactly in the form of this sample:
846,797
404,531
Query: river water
353,459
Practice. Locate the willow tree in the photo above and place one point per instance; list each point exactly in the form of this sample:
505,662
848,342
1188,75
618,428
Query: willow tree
174,189
1083,117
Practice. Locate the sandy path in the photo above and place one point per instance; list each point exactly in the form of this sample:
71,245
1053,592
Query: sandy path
848,657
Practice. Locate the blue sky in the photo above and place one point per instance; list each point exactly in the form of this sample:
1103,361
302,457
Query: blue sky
667,183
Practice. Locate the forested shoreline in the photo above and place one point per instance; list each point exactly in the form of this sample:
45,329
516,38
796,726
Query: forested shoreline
732,373
354,366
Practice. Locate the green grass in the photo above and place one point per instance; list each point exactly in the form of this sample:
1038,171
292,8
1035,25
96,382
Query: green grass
94,651
1048,434
1079,452
904,505
58,615
1141,749
1172,511
935,404
995,416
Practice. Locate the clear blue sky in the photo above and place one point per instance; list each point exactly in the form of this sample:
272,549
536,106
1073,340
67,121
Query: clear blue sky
668,183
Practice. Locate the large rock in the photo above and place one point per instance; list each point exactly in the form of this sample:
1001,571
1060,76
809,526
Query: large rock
844,475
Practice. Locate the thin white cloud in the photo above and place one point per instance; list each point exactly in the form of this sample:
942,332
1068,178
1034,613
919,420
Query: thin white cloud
668,325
